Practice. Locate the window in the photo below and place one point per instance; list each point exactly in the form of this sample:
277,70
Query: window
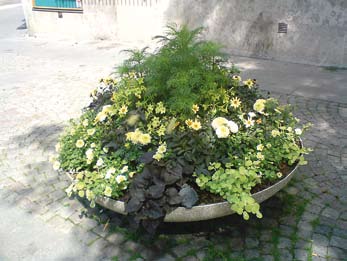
58,5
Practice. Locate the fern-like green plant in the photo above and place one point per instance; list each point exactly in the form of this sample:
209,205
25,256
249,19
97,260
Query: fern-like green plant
182,71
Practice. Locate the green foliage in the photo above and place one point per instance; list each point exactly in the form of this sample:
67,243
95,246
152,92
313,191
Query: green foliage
176,119
182,71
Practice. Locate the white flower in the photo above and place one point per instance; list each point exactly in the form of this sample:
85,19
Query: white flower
218,122
298,131
79,143
251,114
110,172
249,122
260,147
289,129
56,165
90,132
93,145
100,162
85,123
120,178
222,132
124,169
233,126
90,154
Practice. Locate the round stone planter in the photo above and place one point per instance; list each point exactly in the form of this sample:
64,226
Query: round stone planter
200,212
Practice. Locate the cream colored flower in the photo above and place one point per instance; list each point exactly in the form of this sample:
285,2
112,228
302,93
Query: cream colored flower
101,116
57,147
249,122
89,154
222,132
108,191
260,147
123,110
237,78
120,178
56,165
279,174
100,162
90,132
249,83
233,126
158,156
260,156
124,169
85,123
275,133
145,139
160,108
235,102
189,123
131,174
110,172
218,122
93,145
196,125
259,105
79,143
195,108
298,131
162,148
251,114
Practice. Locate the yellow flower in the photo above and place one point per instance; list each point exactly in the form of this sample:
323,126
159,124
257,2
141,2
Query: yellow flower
160,108
131,174
249,122
144,139
258,121
249,83
123,110
195,108
85,123
235,102
107,109
260,156
93,145
120,178
236,78
259,105
218,122
161,130
90,132
222,132
129,136
162,148
79,143
108,191
196,125
124,169
56,165
275,133
189,123
279,174
158,156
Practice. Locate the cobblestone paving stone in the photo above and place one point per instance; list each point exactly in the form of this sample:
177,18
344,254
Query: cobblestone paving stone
306,221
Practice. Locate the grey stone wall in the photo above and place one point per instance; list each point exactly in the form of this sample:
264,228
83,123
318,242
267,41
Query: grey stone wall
317,29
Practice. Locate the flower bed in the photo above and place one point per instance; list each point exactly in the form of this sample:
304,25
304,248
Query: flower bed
173,121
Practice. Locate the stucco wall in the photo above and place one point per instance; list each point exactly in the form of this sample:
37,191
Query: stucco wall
317,29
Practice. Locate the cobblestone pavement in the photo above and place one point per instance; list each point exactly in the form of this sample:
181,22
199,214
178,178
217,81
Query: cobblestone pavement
306,221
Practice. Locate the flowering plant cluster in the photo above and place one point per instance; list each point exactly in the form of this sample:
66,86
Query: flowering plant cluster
174,123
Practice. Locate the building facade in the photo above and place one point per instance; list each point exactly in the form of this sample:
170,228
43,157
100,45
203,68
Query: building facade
301,31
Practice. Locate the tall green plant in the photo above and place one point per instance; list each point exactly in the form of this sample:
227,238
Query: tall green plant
182,71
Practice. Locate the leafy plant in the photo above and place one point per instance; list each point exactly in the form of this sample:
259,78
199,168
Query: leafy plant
175,120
